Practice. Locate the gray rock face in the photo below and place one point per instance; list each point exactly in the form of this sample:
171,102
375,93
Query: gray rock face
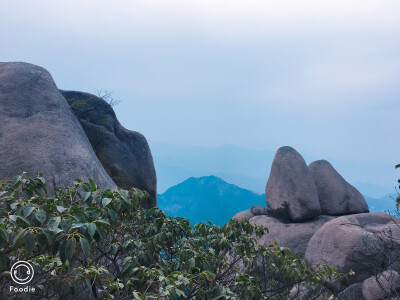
258,210
300,291
336,195
39,133
292,235
364,243
246,214
291,181
382,286
124,154
353,292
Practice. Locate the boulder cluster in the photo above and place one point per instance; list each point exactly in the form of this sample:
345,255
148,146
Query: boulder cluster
326,220
43,132
310,191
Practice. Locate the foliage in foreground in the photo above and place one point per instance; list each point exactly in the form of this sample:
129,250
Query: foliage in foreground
100,244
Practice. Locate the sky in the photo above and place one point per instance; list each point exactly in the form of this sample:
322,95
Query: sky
321,76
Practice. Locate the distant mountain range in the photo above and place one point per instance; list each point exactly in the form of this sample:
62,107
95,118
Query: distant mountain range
207,198
210,198
386,203
249,168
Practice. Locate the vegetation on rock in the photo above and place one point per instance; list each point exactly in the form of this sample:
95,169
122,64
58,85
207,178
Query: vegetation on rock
84,242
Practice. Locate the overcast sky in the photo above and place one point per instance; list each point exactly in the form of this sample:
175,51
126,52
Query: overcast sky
321,76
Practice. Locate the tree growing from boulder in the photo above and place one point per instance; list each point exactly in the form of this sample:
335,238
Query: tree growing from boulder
108,97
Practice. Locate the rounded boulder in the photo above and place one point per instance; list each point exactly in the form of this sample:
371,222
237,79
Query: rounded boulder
39,133
291,186
361,243
336,195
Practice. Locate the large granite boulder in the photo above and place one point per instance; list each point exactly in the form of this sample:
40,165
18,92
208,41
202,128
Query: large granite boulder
39,133
382,286
291,183
353,292
246,214
255,210
291,235
364,243
124,154
336,195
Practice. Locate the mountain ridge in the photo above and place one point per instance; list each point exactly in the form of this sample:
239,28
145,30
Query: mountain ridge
211,198
207,198
249,168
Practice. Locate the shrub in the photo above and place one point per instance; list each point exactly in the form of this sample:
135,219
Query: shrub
84,242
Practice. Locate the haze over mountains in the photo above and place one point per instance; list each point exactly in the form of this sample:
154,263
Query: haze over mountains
249,168
210,198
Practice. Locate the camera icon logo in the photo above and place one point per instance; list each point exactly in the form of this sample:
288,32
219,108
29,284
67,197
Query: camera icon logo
22,272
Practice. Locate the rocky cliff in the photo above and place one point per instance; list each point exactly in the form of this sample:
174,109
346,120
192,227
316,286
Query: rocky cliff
41,133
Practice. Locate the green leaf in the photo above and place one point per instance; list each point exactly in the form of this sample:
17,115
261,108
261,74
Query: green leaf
53,223
91,229
70,248
40,215
113,215
78,212
124,195
192,262
106,201
29,242
77,225
57,231
42,241
397,166
3,234
89,285
92,185
84,246
18,238
17,180
14,206
13,218
60,209
103,223
22,222
101,233
85,196
28,210
63,257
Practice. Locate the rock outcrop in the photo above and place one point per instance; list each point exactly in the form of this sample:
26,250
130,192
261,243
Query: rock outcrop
336,195
294,236
353,292
364,243
39,133
246,214
382,286
317,214
124,154
291,183
258,210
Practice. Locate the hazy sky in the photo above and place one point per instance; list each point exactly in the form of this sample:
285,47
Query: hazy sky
321,76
